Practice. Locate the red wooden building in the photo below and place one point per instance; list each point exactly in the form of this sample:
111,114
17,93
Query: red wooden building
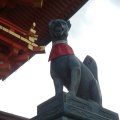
24,31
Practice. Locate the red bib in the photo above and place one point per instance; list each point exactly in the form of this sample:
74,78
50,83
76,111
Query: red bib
59,50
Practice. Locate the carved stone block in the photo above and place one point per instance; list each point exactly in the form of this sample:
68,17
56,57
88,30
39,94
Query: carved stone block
67,107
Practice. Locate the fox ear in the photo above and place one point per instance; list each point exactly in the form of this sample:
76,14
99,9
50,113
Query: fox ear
69,24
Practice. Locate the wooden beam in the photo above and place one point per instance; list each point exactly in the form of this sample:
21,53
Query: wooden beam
12,26
8,41
5,67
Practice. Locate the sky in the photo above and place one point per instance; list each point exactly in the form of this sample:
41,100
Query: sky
95,32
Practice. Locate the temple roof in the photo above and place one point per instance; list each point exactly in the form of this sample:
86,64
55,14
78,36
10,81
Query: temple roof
24,28
9,116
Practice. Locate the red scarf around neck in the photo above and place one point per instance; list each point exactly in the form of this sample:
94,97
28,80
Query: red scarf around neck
60,49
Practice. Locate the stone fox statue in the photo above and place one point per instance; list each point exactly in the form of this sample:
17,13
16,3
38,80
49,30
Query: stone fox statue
80,78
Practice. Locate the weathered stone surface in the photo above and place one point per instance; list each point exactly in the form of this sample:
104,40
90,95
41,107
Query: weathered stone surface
65,106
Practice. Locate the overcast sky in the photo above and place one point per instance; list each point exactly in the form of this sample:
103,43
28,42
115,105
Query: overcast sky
95,32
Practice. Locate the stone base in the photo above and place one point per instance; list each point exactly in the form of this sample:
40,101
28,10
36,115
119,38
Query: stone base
65,106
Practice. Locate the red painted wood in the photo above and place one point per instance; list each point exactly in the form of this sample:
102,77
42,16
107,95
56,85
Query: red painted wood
4,67
12,26
12,43
22,58
19,15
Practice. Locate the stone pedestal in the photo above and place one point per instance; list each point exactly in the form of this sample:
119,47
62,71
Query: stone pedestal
67,107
